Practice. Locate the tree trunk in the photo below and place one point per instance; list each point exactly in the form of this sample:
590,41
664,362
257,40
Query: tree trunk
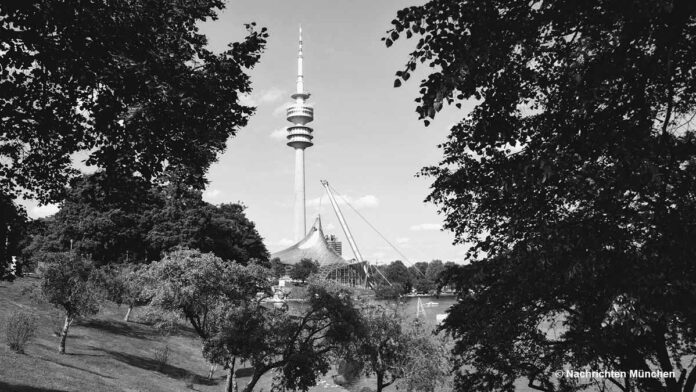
690,384
228,382
254,379
127,317
380,381
231,382
64,334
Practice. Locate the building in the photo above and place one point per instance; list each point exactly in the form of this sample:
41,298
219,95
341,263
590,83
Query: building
313,246
335,244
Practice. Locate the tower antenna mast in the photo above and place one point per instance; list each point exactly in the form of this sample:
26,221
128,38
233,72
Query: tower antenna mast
299,138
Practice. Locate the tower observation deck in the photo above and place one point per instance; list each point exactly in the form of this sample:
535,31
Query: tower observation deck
299,138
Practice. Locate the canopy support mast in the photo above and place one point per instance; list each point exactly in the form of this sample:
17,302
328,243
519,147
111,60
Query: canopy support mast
346,230
342,220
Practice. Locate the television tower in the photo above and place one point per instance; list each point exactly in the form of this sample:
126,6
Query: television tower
299,138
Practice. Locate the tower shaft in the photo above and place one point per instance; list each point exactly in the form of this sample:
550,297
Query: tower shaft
300,212
299,138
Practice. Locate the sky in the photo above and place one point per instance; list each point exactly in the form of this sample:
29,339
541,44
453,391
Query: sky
368,142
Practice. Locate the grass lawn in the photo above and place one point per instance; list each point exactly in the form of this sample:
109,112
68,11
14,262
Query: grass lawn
105,354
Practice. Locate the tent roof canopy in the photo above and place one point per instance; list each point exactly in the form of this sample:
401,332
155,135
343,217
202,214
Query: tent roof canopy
313,246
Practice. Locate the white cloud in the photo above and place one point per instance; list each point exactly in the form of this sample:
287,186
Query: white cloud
280,110
402,240
315,202
211,194
426,226
279,134
330,226
272,95
43,211
284,242
268,96
247,100
366,201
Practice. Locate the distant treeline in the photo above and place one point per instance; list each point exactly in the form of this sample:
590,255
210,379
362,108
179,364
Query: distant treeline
421,278
117,219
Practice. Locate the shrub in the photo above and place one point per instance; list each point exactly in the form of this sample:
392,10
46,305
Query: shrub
20,329
161,357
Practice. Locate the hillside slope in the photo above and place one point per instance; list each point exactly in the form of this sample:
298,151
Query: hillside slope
104,354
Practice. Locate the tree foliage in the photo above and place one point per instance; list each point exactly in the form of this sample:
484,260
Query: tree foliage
303,269
196,285
131,84
572,177
67,283
185,220
398,274
101,216
12,230
122,284
125,219
382,347
390,292
427,366
397,352
131,87
298,343
277,267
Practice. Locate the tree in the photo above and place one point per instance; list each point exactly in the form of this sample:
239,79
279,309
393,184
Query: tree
382,346
398,273
435,275
185,220
423,286
419,280
12,229
124,219
130,86
434,270
66,283
409,357
195,285
427,364
297,343
572,177
419,269
123,284
277,267
101,216
239,335
303,269
202,287
391,292
133,84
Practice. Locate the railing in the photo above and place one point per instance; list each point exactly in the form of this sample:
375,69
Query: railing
300,111
300,131
299,138
302,140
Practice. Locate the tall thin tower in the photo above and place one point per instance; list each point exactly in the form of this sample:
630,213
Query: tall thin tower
299,138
